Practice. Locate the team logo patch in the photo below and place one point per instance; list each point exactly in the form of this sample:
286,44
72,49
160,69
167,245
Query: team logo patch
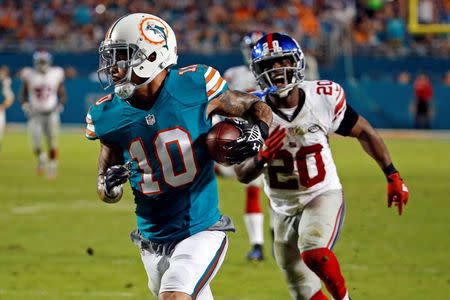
313,128
297,130
154,31
150,119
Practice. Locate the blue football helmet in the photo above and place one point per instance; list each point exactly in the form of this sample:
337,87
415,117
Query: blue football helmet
247,44
284,50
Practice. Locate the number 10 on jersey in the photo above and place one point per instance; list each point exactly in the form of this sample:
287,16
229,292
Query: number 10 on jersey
176,171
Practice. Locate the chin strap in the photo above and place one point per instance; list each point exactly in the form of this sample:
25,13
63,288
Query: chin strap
283,92
126,90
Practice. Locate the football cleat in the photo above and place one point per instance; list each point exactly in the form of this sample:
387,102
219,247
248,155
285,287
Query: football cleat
255,254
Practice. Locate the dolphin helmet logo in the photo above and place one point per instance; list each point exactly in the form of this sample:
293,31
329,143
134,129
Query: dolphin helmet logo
154,31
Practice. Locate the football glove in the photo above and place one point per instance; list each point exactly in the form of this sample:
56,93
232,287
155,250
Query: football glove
397,192
272,145
248,144
26,109
115,176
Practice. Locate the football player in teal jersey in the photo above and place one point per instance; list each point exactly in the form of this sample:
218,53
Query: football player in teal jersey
151,132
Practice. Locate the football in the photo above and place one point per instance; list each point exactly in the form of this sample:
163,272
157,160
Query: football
219,135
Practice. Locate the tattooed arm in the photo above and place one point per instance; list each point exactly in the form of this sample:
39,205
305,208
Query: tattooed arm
239,104
110,155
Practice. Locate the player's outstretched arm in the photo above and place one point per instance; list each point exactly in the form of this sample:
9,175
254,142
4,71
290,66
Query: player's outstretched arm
374,145
23,99
61,95
111,173
239,104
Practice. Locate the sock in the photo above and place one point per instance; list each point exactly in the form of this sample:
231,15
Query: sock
53,153
42,159
253,203
254,224
324,263
319,296
52,168
254,218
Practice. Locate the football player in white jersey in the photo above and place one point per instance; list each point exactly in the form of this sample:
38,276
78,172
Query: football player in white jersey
300,176
241,78
42,98
6,98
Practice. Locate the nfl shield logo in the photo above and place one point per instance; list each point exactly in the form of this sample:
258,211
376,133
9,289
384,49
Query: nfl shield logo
150,119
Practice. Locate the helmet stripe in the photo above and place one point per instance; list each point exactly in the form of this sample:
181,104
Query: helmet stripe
269,42
109,32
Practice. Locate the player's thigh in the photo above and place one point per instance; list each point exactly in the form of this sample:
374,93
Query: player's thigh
35,124
205,294
52,128
321,221
302,282
155,265
194,262
285,239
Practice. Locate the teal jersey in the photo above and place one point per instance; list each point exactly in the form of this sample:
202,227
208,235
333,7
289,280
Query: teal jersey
172,175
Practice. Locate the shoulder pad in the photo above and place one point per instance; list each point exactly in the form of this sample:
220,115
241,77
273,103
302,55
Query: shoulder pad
25,73
99,118
195,84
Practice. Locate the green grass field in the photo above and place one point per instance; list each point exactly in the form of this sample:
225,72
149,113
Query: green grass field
46,227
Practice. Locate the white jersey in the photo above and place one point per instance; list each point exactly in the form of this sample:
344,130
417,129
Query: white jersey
43,88
240,78
304,167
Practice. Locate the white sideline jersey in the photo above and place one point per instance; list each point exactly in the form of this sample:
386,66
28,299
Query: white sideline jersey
43,88
304,167
240,78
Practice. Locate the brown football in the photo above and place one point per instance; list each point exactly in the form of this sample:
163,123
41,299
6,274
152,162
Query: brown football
219,135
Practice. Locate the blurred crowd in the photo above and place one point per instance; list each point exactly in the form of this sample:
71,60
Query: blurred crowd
375,26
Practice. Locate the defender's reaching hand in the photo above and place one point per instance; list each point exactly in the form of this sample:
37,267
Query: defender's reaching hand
272,145
397,192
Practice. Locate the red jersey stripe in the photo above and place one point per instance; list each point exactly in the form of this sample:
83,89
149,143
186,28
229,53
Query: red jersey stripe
340,104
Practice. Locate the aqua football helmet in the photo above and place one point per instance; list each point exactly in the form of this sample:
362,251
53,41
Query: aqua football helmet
277,48
142,44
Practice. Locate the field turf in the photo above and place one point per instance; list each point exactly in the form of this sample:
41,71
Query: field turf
47,227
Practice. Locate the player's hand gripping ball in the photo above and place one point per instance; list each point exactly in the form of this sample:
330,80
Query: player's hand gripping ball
219,135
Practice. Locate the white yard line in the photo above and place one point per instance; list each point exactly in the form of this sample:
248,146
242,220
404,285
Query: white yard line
93,204
84,294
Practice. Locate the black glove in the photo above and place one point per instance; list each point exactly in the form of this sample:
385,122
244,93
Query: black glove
248,144
115,176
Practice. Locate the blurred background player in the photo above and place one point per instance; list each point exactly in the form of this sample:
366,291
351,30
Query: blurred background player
300,176
422,106
241,78
42,98
6,98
